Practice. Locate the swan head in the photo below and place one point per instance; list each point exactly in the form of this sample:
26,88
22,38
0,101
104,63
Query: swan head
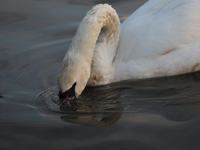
73,77
69,94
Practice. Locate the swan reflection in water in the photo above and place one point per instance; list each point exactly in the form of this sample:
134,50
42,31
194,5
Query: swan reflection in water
175,98
98,106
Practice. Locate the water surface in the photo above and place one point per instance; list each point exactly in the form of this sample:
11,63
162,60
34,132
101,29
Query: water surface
160,113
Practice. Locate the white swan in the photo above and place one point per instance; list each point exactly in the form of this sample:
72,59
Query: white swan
161,38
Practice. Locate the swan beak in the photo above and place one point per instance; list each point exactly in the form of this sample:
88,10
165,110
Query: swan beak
68,97
68,101
73,98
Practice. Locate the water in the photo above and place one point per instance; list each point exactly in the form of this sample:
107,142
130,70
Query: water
160,113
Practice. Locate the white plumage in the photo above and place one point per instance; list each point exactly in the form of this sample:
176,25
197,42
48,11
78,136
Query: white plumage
161,38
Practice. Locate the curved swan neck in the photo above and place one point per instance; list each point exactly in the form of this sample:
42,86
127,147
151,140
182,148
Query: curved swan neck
101,18
99,28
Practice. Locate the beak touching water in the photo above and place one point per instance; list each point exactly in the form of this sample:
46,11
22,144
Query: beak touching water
68,97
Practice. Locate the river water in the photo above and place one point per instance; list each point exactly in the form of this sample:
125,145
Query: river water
152,114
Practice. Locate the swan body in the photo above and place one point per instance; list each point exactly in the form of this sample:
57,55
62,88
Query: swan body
161,38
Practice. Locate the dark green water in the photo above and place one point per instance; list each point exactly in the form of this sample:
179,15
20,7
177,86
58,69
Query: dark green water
152,114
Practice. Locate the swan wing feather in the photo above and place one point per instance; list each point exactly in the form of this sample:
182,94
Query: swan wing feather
159,27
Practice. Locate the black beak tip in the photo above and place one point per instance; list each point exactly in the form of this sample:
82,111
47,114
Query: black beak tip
68,101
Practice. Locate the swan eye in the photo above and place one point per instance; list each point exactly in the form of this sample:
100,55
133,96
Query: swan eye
69,94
